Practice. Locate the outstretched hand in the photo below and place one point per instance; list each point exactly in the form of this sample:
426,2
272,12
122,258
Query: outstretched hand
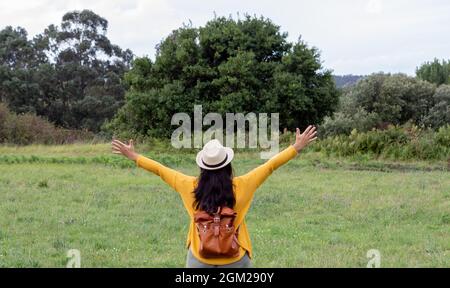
304,139
126,150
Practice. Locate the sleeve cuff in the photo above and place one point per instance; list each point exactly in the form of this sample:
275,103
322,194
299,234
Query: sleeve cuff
292,148
137,160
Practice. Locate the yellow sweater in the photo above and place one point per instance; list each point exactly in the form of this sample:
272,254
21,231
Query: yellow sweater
244,188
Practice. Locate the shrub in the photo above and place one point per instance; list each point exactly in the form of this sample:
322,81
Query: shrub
4,115
443,136
396,142
382,99
28,128
439,114
342,123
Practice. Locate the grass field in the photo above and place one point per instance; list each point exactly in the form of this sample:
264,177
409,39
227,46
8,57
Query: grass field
313,212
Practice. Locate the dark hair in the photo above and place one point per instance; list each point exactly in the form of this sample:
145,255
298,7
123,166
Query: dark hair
214,189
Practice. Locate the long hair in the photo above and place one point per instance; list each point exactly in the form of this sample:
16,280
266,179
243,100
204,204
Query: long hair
214,189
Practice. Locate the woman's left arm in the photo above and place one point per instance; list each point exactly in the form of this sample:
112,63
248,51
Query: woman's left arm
257,176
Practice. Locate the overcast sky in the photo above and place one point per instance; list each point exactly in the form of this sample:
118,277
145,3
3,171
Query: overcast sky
354,36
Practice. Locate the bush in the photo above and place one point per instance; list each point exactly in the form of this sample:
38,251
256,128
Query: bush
396,98
439,114
342,123
396,142
4,115
443,136
28,128
382,99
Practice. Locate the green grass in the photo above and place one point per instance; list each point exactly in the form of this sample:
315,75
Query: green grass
313,212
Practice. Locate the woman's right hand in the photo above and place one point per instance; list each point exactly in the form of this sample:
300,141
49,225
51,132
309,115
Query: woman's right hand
126,150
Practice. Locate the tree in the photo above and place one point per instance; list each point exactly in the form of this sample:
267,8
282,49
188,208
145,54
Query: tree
88,68
439,114
18,63
227,66
382,99
395,98
70,74
435,72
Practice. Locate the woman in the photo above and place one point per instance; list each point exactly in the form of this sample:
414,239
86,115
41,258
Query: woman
216,187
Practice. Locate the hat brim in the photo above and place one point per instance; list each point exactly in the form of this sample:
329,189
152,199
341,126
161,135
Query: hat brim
230,155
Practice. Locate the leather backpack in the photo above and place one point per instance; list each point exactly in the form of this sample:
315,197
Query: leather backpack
218,236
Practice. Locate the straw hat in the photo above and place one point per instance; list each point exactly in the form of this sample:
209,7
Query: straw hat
214,156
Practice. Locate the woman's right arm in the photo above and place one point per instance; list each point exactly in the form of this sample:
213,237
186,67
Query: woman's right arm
177,180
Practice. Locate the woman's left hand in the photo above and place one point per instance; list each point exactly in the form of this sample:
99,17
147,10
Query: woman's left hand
304,139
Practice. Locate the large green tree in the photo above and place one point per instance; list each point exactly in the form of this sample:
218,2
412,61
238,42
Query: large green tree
227,66
71,73
19,61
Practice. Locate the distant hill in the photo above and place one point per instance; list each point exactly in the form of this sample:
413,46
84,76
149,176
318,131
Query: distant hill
343,81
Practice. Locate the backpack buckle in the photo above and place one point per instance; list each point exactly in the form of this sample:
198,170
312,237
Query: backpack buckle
217,215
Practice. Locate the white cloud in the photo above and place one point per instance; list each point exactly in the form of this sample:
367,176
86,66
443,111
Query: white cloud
134,24
374,6
354,36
